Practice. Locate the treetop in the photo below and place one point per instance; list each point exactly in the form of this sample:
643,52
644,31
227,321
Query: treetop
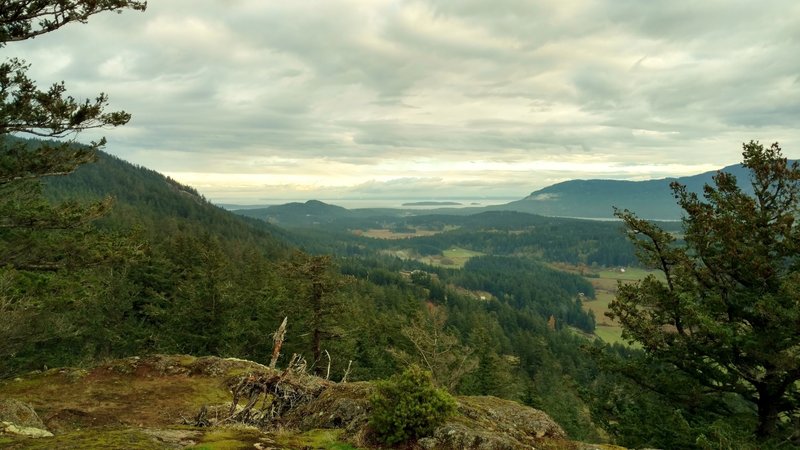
26,19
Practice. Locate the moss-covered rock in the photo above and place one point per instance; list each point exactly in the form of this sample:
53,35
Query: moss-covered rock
490,423
146,402
486,423
340,405
19,413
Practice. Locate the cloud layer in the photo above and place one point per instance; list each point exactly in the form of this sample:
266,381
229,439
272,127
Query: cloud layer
251,99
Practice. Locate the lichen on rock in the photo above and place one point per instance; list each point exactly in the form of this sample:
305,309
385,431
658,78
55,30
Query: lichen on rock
31,432
20,419
19,413
491,423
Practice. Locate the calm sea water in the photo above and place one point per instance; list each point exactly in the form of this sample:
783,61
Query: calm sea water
351,203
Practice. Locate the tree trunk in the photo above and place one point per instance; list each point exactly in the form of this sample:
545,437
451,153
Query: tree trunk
768,410
317,318
317,348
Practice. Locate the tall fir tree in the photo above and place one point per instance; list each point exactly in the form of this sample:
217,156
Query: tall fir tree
39,239
727,313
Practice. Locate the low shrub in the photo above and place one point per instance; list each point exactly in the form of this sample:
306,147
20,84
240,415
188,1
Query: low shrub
409,406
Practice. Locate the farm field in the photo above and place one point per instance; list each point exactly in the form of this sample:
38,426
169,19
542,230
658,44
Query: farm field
453,258
605,286
384,233
610,334
625,274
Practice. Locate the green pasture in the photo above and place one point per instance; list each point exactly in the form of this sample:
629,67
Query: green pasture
629,274
611,335
605,286
454,258
600,306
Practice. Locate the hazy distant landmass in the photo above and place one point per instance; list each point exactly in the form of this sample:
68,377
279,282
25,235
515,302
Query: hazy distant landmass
595,199
429,203
587,199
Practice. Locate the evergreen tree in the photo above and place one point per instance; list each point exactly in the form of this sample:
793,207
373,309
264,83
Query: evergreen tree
48,113
319,300
727,314
39,239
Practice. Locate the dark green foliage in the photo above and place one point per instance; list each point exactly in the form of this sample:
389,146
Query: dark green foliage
727,316
319,304
427,250
47,251
25,19
529,284
642,402
499,233
408,406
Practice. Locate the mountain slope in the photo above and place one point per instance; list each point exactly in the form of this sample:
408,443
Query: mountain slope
651,199
312,212
148,199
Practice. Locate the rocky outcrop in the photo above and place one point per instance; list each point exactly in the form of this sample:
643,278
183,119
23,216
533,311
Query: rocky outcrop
481,423
18,418
151,399
19,413
339,405
490,423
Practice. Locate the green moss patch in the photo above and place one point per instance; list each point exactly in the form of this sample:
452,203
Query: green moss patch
151,391
325,439
128,439
233,438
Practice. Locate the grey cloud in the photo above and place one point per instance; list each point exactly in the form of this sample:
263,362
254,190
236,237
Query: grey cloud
233,86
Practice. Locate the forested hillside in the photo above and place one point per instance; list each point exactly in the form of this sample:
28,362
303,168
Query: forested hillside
509,265
165,271
553,239
189,277
156,203
126,294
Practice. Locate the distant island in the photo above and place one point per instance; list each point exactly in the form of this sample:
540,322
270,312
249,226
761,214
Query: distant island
432,204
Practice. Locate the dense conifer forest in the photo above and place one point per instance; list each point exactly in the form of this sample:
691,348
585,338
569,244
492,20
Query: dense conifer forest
696,347
205,281
173,273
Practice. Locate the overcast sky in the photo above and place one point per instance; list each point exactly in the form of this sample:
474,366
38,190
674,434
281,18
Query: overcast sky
254,100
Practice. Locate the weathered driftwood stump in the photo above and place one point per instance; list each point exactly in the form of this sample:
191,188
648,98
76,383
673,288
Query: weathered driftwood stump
270,395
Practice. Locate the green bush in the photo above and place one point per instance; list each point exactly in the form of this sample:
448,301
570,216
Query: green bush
408,406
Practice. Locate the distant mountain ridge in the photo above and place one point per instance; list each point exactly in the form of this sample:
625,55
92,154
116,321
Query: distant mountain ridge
650,199
589,199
